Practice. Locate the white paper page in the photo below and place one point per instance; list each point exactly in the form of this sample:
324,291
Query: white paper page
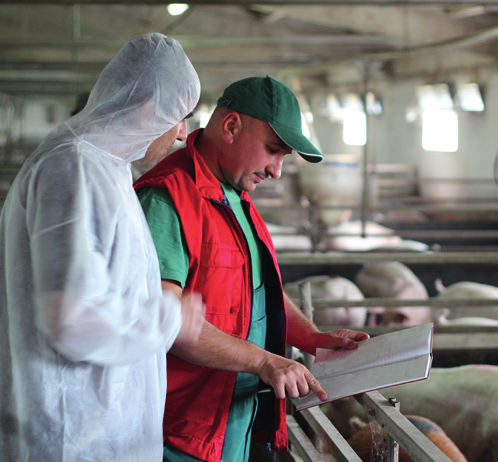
363,381
383,349
386,360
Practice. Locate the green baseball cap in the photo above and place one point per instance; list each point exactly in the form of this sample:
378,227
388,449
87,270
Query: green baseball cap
267,99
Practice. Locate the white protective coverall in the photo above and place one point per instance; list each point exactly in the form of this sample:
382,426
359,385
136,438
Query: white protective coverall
84,324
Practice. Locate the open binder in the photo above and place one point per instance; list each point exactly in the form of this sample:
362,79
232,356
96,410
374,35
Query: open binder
383,361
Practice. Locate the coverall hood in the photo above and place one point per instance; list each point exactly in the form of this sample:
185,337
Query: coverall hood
132,105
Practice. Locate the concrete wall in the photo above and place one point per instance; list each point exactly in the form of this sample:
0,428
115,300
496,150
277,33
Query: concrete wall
394,140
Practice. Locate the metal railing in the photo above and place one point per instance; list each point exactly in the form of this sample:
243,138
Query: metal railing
401,432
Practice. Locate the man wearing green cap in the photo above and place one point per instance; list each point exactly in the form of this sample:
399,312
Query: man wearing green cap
211,239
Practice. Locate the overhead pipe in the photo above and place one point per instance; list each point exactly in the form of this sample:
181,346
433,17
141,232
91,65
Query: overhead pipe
460,42
446,3
209,42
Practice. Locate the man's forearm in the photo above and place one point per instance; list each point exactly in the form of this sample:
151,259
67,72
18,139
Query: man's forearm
219,350
215,348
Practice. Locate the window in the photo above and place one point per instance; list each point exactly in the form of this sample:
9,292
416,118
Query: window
440,130
436,96
355,127
469,97
439,120
354,116
306,122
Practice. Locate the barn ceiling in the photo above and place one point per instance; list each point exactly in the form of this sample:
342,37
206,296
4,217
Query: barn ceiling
59,47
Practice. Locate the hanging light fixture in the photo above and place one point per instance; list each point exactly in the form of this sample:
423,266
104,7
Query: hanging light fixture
176,9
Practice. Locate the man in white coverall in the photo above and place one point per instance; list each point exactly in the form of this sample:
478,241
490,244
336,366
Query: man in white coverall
84,324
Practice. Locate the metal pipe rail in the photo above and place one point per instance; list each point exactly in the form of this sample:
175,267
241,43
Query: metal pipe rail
414,442
398,427
300,441
428,208
328,434
394,302
453,234
360,258
396,204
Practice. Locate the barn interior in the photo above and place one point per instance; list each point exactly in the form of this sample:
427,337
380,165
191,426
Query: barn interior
400,96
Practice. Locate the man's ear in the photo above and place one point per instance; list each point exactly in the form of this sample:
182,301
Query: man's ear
147,111
231,126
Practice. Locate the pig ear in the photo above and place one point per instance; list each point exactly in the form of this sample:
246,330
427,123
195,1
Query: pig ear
441,316
397,287
356,423
438,284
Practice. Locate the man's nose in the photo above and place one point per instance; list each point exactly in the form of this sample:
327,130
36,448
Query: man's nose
274,168
182,133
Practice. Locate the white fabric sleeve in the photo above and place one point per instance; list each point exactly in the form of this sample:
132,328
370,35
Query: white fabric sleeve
97,284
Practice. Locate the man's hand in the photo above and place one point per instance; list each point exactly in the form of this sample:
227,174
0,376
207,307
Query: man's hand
343,338
193,312
303,334
288,376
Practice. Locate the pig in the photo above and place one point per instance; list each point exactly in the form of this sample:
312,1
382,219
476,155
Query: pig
394,280
466,315
442,320
331,288
347,236
288,238
463,401
370,441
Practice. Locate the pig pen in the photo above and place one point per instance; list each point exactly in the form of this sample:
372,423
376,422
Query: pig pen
458,250
313,437
453,345
470,256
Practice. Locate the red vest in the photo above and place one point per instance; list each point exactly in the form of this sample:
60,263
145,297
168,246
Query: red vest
198,398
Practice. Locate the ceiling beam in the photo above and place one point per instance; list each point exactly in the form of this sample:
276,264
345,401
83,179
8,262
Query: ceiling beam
472,11
418,25
449,3
363,40
43,88
371,58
